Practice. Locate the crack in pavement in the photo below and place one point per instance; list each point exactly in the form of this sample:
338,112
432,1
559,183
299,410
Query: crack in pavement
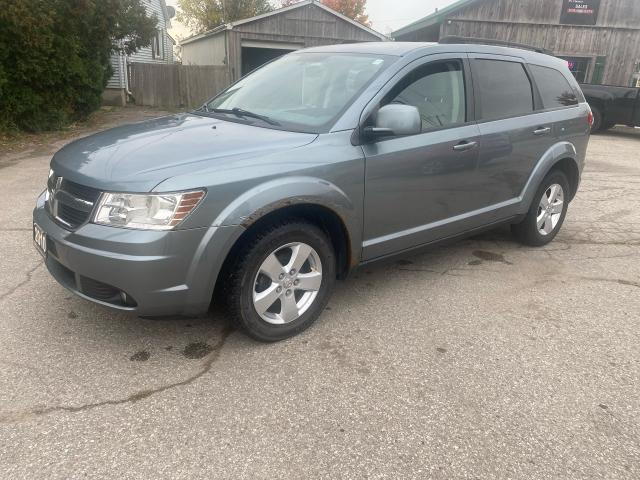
133,398
24,282
629,283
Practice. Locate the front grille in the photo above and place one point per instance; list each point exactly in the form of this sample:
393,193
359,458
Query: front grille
88,286
71,216
70,203
104,292
99,290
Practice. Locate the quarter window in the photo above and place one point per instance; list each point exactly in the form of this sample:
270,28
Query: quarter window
554,88
503,89
437,91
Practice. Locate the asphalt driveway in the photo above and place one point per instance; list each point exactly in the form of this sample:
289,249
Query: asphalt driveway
483,359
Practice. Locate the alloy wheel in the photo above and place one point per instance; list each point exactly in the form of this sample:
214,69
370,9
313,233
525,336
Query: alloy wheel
287,283
550,209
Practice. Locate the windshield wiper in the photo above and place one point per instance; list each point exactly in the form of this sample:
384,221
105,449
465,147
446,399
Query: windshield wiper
243,113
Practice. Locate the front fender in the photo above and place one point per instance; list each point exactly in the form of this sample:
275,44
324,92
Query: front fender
285,192
282,192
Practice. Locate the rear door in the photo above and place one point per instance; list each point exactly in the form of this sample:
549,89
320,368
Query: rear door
515,132
416,186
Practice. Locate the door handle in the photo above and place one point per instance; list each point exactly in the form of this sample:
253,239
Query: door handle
542,131
464,146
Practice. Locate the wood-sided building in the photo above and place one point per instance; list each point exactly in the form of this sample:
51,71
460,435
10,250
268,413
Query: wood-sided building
246,44
599,38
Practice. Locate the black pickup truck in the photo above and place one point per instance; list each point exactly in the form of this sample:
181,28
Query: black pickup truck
613,105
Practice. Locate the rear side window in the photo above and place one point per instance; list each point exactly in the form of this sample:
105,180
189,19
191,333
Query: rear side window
503,88
554,88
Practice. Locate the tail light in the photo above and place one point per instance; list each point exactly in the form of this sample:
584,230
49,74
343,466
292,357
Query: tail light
590,118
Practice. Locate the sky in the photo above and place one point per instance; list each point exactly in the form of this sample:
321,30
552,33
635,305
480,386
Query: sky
385,15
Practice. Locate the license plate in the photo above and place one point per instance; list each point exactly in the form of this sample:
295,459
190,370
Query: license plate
40,240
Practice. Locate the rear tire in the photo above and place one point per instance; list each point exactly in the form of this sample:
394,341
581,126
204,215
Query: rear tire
281,281
547,212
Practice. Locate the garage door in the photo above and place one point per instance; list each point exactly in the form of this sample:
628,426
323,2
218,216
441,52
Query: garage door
257,53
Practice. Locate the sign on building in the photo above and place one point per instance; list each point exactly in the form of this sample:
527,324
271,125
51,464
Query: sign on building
580,12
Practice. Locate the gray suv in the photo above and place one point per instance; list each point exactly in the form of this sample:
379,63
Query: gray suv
321,161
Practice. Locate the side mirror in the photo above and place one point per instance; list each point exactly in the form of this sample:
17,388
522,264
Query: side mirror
395,120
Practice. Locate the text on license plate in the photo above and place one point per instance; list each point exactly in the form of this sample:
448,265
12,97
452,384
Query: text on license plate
40,239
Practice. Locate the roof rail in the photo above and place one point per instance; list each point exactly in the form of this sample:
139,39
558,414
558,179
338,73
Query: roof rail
453,39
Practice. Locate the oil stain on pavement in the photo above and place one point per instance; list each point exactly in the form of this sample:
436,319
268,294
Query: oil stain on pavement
197,350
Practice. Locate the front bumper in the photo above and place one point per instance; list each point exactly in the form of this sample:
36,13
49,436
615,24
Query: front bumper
147,272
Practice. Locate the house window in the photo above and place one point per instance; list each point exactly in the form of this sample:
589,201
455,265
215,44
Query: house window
579,67
157,45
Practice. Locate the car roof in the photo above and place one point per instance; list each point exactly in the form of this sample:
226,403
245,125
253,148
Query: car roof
416,49
397,49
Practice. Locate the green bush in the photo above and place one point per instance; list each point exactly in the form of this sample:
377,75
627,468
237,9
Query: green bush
54,56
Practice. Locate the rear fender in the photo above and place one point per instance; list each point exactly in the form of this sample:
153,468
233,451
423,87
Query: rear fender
559,151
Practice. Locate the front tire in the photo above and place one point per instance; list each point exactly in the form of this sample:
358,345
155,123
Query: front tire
281,281
547,212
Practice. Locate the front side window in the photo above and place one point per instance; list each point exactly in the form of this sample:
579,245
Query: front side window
437,91
301,91
554,88
503,89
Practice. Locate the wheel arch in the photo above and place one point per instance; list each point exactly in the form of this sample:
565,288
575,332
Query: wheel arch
317,214
569,167
562,156
308,199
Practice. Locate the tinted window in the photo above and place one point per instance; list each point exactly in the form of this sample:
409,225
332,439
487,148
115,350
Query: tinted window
554,88
503,88
437,91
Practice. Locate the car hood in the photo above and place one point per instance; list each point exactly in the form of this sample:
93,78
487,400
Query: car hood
139,156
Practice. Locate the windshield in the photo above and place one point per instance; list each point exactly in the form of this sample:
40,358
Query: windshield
303,91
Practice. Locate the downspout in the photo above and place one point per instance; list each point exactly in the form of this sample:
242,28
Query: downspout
227,38
125,61
124,65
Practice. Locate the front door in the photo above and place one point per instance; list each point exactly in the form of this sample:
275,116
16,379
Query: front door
419,189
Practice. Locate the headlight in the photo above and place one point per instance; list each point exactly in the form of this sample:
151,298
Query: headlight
153,211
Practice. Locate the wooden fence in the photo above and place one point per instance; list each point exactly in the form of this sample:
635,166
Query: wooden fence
161,85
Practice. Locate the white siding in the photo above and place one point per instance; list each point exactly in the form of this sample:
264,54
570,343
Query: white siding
144,55
168,48
117,79
206,51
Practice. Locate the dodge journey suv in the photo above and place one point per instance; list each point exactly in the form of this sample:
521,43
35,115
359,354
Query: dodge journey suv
318,162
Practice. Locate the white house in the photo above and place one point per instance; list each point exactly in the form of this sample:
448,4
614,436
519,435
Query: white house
160,51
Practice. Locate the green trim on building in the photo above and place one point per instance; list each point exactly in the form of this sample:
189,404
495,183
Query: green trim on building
434,18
